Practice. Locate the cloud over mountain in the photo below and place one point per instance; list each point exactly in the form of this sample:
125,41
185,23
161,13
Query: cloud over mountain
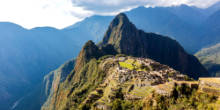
62,13
109,6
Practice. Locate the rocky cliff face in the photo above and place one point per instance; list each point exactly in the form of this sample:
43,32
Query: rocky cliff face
127,39
89,51
53,79
47,88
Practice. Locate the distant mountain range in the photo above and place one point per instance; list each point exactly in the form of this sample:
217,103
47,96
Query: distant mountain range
209,55
184,23
27,55
210,58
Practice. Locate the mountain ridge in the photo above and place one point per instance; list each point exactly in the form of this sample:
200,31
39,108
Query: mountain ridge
128,40
99,78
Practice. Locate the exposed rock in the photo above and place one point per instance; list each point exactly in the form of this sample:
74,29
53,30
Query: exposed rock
128,40
210,85
53,79
89,51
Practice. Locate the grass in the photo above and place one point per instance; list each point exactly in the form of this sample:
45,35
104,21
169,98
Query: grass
213,80
107,92
182,98
141,91
132,64
126,65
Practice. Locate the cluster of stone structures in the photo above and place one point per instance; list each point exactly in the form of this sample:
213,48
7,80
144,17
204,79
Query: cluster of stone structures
210,85
207,85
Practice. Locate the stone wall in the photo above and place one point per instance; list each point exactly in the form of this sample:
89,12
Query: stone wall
210,85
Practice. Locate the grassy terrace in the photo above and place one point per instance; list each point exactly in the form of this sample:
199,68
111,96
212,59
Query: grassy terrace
132,64
141,91
212,80
211,85
187,82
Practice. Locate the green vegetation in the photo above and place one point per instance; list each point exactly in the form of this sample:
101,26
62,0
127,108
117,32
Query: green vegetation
171,74
183,98
210,58
104,57
84,82
90,89
142,92
119,104
126,65
120,55
187,78
131,64
95,77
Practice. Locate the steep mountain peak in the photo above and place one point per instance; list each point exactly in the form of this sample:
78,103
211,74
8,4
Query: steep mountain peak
127,39
120,18
89,44
120,29
89,51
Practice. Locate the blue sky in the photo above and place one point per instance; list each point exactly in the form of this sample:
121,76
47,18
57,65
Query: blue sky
62,13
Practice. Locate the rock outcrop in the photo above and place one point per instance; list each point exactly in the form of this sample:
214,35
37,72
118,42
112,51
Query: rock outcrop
210,85
128,40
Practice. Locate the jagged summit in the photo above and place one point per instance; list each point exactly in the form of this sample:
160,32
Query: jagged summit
89,51
120,18
128,40
118,28
89,46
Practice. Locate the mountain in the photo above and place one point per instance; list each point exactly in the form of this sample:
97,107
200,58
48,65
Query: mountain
158,20
49,47
119,67
83,85
212,26
122,32
163,21
186,24
188,14
183,23
212,9
209,57
26,56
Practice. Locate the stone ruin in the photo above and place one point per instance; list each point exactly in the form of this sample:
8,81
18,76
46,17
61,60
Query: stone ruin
210,85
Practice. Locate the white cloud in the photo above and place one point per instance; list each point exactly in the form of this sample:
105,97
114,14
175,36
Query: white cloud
202,3
109,6
32,13
62,13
